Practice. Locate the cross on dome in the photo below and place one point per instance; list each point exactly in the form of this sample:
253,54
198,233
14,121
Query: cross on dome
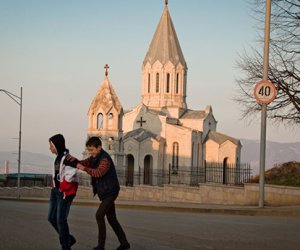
141,121
106,69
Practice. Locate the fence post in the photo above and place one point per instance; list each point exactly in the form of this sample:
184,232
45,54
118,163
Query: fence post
205,172
169,173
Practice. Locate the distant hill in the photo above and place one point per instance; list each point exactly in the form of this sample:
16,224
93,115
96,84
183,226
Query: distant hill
276,153
286,174
30,162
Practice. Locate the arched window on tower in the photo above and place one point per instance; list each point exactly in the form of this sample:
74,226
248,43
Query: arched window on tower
149,85
175,158
110,120
100,121
157,83
177,84
168,83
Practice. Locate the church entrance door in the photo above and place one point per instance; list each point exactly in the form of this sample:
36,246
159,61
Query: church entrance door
148,167
130,170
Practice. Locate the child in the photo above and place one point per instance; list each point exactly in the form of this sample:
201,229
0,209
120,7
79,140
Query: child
64,188
106,185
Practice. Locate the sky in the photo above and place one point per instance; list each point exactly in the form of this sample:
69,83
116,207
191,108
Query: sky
56,51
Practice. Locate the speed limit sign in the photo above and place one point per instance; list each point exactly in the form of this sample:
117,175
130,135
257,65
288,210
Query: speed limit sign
264,92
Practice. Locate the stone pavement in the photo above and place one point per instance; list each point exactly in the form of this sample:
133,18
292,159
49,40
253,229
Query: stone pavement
183,207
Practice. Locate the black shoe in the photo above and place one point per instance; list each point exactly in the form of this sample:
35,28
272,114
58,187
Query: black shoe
124,247
72,240
98,248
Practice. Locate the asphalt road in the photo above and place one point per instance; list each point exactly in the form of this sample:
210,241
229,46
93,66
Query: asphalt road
24,225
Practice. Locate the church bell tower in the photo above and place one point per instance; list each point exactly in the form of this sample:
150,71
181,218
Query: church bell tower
105,118
164,70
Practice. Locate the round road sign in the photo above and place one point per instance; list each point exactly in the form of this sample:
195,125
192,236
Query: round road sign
264,92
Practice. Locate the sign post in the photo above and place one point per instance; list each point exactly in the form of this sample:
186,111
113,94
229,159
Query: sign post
263,91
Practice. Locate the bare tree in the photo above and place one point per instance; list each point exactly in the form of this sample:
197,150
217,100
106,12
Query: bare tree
284,64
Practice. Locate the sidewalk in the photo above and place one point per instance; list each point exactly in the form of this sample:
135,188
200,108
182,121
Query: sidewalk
183,207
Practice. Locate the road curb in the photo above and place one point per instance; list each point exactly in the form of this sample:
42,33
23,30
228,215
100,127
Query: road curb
182,208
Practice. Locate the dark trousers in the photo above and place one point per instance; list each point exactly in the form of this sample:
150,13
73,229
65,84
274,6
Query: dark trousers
59,208
107,207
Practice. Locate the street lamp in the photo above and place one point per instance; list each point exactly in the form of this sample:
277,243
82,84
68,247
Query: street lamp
18,100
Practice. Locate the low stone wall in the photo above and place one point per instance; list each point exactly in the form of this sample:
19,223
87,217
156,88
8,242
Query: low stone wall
248,195
204,194
282,196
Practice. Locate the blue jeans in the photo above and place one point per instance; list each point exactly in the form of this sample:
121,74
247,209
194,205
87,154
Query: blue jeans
59,208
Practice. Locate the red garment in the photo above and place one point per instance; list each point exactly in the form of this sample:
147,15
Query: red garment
68,188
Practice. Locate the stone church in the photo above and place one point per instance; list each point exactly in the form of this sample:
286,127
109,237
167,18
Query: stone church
161,134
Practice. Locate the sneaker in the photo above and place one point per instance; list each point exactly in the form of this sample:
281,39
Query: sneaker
72,240
124,247
98,248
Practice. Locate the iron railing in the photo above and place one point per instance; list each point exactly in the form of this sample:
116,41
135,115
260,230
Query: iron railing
231,174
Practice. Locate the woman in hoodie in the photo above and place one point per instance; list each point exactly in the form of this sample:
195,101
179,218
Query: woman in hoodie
64,188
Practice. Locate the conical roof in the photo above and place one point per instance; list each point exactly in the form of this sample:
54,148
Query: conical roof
165,46
106,98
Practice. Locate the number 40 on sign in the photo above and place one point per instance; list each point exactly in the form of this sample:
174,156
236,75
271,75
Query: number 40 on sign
264,92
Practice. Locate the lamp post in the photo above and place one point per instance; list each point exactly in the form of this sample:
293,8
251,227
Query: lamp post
18,100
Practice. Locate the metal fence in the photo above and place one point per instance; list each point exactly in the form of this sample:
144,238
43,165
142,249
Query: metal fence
232,174
217,173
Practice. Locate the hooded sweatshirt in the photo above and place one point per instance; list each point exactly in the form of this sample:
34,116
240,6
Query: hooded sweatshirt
64,177
58,141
